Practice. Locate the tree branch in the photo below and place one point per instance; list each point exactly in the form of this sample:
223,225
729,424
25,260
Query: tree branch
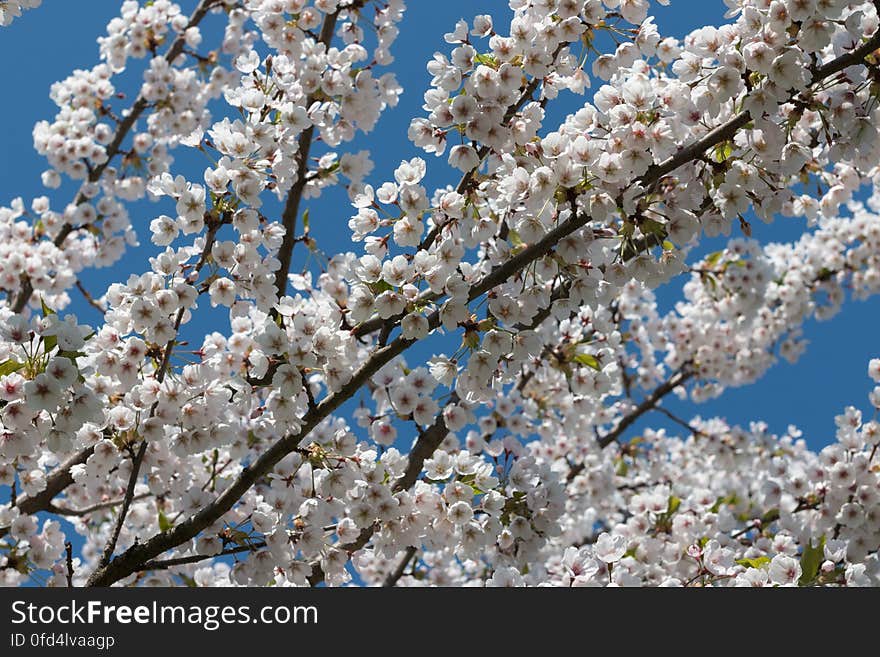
64,511
679,421
465,181
386,325
55,483
68,548
294,197
626,421
129,561
94,303
184,561
425,446
213,226
115,145
397,573
727,130
126,503
648,404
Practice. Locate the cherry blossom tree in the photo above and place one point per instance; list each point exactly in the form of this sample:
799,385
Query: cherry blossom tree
302,441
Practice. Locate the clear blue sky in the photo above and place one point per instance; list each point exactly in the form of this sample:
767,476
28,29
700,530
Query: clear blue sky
46,44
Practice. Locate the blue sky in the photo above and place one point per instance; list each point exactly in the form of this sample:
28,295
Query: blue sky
46,44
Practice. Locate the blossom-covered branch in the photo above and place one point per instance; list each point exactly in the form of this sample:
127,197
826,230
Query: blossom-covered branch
291,442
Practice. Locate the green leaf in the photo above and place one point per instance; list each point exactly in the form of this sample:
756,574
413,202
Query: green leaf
164,522
589,361
713,258
50,342
723,151
652,227
10,366
673,505
189,581
380,286
306,220
811,559
729,500
46,309
239,537
755,562
771,516
487,59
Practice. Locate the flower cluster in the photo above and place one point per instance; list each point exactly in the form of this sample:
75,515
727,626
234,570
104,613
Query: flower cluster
11,9
249,411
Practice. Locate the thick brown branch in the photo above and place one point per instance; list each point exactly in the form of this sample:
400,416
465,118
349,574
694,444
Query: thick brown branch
55,483
425,446
68,549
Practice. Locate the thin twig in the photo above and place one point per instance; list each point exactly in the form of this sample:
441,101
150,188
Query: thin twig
94,303
126,503
68,548
648,404
110,547
183,561
397,573
626,421
679,421
63,511
465,181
